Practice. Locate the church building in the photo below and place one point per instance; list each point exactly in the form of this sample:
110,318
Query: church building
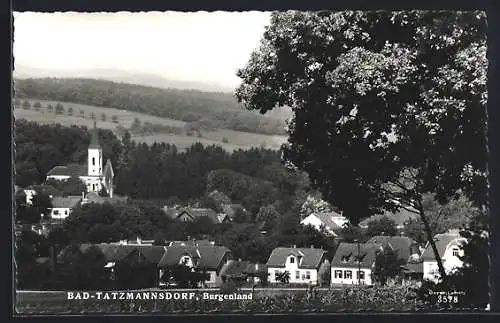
92,174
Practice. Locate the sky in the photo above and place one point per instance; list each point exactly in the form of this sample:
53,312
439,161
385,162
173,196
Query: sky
203,46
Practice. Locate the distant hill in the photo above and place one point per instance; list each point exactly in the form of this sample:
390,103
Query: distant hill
207,110
116,75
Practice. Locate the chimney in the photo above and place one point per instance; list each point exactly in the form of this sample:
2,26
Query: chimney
212,243
139,240
312,246
294,246
256,267
239,259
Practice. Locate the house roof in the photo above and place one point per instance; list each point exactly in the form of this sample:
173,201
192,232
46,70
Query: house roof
230,209
234,268
404,246
311,257
108,172
94,139
209,257
346,255
194,213
442,241
399,217
329,219
69,170
254,268
66,202
417,268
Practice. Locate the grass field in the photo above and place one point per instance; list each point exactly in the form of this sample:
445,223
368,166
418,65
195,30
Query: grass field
236,139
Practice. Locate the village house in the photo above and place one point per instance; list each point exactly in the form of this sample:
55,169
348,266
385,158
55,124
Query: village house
63,206
449,248
408,251
92,174
331,222
243,271
199,257
353,264
303,264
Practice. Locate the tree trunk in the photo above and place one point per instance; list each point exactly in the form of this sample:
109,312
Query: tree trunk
430,238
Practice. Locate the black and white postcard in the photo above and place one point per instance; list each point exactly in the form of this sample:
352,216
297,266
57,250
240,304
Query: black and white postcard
250,162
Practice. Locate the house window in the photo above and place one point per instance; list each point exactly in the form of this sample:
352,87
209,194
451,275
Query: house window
297,274
292,260
308,274
185,260
361,274
347,274
338,273
455,252
93,161
56,212
65,212
345,258
276,274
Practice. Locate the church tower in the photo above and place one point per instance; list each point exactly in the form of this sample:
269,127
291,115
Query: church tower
94,154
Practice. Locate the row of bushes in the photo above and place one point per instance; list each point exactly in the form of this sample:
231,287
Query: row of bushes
376,299
59,109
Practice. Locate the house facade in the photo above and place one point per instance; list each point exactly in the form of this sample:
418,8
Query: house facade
302,264
449,248
93,174
353,264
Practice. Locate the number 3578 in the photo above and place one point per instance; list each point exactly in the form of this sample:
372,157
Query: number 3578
447,299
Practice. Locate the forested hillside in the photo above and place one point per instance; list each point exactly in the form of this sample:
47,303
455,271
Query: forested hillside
214,110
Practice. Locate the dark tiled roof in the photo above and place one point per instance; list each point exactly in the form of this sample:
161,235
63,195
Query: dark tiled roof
311,257
69,170
94,139
404,246
346,255
442,241
254,268
192,243
209,257
66,202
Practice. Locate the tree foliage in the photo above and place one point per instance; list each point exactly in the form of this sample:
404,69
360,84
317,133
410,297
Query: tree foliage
387,105
387,265
381,227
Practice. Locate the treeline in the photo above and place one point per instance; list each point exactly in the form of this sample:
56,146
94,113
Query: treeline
254,177
220,110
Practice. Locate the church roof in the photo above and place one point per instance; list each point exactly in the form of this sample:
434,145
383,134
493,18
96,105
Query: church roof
69,170
94,140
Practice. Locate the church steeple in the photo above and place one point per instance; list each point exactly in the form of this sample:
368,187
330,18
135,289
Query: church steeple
94,140
94,155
